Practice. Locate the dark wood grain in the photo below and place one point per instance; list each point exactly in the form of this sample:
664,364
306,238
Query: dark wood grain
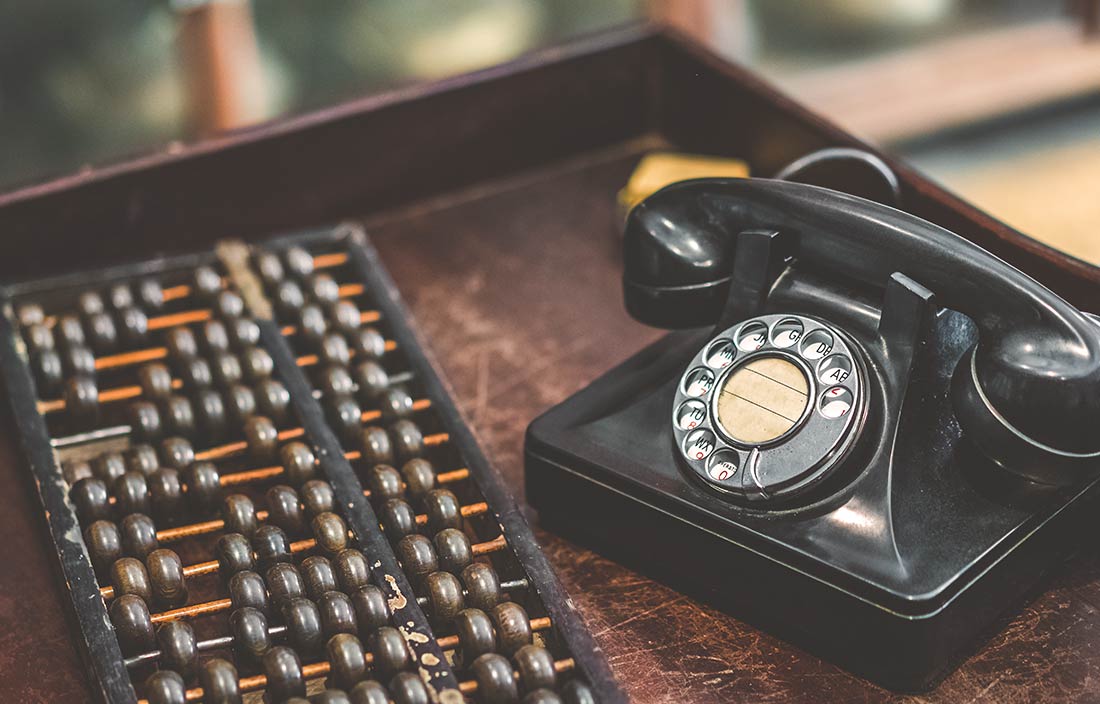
518,292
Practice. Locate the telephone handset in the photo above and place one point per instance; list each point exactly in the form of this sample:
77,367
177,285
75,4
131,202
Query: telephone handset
778,397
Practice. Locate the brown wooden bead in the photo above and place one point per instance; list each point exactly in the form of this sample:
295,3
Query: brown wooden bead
239,514
408,688
142,458
166,577
408,441
391,652
109,466
317,497
176,453
417,556
318,576
398,519
284,583
384,483
541,696
352,570
372,611
91,499
369,692
419,477
133,624
262,438
128,576
453,550
247,589
166,494
284,674
536,668
330,532
251,639
284,509
270,545
482,586
368,343
165,687
234,554
348,660
476,635
176,641
445,600
139,535
337,613
204,487
104,543
394,404
375,445
273,401
304,631
131,493
576,692
496,683
155,381
298,462
218,680
513,626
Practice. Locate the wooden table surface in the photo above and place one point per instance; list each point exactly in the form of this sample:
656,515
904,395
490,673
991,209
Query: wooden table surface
517,288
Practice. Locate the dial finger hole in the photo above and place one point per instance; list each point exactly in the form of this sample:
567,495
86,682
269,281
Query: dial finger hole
787,332
721,354
834,369
817,345
752,337
691,414
698,382
699,444
836,402
724,465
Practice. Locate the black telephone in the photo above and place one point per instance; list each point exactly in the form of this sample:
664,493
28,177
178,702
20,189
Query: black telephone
884,440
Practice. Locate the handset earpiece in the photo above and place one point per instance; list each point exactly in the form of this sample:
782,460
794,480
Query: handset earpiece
1028,393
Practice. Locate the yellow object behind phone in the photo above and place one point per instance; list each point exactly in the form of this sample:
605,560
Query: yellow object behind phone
658,169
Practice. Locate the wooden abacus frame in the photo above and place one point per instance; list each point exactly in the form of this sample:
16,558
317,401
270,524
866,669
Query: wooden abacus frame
99,647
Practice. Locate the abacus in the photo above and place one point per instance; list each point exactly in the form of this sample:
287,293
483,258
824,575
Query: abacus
256,482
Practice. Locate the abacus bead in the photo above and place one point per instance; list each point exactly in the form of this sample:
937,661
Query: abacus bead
39,338
384,482
133,624
257,364
442,508
239,514
102,334
155,380
536,667
541,696
372,611
317,576
74,471
394,404
576,692
91,498
407,440
328,696
453,550
215,336
372,380
273,400
49,371
79,361
228,304
109,466
150,295
444,593
141,458
419,477
179,415
241,403
324,288
133,326
368,343
375,445
345,416
210,414
176,453
128,576
299,462
71,331
391,652
330,532
251,639
227,369
218,680
346,316
311,323
482,586
369,692
82,399
397,518
336,381
317,497
139,535
203,487
269,267
165,687
417,557
284,583
247,590
145,423
270,545
408,688
244,332
195,374
206,283
30,314
352,570
303,626
299,262
234,554
283,509
476,635
166,577
345,653
262,438
166,493
334,349
104,545
337,613
513,626
496,683
181,344
120,296
90,303
131,493
176,641
289,297
284,674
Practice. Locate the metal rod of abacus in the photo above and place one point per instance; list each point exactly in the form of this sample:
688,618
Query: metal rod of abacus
211,566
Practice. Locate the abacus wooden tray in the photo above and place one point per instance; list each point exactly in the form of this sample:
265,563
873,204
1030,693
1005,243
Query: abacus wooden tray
491,200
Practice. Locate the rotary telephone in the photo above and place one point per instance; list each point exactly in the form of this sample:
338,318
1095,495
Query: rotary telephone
871,437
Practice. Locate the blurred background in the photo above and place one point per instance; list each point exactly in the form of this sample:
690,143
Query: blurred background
997,99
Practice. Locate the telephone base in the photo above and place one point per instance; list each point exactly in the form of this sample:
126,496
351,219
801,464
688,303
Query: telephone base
896,578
